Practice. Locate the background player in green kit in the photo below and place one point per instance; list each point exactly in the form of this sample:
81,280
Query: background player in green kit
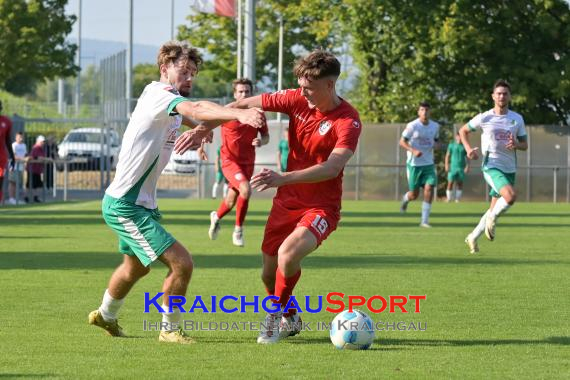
419,139
130,206
456,166
503,133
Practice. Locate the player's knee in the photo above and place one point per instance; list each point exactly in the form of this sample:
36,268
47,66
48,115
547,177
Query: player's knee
413,195
245,190
510,197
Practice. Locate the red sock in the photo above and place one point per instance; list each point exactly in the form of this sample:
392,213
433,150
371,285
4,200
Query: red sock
241,210
284,287
223,209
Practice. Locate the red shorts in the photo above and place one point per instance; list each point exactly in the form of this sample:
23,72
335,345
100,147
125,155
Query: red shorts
283,221
235,173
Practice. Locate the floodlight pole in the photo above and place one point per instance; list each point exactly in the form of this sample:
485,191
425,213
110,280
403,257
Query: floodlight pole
280,62
239,38
78,79
249,36
129,63
172,20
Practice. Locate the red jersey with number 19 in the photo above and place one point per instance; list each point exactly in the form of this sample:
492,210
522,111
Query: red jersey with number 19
312,137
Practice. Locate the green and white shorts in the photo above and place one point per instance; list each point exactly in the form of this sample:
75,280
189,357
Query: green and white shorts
419,176
140,233
497,179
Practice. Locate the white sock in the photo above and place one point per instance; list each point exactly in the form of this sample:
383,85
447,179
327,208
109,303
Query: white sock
172,320
458,194
500,207
405,198
448,194
426,209
110,307
478,231
215,189
225,189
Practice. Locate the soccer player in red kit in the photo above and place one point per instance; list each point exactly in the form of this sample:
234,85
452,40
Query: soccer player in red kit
238,159
5,148
323,134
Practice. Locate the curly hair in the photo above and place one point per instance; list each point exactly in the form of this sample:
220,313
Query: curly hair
178,51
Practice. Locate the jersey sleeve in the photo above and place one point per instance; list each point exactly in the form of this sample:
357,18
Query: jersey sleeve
475,122
348,134
281,101
407,133
164,98
521,132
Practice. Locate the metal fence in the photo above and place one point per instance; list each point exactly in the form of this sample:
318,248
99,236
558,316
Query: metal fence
84,153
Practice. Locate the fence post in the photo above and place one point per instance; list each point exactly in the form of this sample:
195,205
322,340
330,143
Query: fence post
555,185
65,178
357,176
398,151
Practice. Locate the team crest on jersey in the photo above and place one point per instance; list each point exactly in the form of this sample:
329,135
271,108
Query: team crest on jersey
324,127
355,124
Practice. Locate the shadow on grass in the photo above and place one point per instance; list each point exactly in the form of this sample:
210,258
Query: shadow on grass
98,260
379,342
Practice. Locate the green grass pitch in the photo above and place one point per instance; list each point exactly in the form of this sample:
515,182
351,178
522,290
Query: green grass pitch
504,313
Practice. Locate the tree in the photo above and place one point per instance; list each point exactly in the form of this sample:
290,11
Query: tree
218,35
32,43
450,53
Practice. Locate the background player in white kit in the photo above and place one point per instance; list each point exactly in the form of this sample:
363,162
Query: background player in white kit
419,139
130,207
503,132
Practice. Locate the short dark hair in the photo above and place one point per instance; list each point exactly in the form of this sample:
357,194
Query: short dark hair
424,104
317,65
501,83
245,81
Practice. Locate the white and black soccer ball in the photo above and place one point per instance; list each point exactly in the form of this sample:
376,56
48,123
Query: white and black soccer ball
352,331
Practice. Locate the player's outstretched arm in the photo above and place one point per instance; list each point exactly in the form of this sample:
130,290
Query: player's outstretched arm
329,169
208,111
251,102
472,153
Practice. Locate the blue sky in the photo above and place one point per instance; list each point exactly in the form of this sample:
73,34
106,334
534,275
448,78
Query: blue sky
108,19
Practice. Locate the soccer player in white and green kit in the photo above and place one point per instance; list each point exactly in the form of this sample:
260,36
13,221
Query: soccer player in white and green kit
130,206
503,133
419,139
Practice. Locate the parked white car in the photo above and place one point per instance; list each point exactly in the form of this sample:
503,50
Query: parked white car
186,163
88,148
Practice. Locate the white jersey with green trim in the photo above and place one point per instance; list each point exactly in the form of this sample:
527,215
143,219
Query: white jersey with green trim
421,137
496,130
147,145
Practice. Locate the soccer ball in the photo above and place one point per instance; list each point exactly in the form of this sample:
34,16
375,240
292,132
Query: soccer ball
352,331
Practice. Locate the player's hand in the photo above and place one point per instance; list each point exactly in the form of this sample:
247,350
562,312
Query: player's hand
256,142
265,179
253,116
12,165
416,153
511,142
191,139
466,170
473,154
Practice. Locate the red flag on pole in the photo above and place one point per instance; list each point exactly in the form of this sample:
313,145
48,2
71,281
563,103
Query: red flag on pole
225,8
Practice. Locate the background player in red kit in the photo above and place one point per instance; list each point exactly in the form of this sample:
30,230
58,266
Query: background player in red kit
5,148
323,134
238,159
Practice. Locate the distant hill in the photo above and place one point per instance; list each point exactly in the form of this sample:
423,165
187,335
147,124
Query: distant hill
93,51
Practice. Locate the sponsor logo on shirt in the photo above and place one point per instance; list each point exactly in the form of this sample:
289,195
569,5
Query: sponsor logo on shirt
324,127
502,135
